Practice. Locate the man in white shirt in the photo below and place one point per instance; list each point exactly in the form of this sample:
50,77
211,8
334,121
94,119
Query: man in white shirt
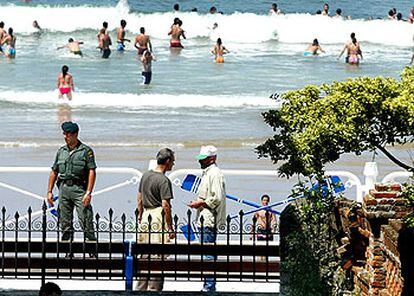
210,203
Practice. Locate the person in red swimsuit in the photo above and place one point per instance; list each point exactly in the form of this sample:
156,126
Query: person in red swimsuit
65,83
176,32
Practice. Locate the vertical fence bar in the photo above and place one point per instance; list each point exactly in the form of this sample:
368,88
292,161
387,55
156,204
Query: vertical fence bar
71,255
97,217
29,242
84,251
16,239
3,235
267,236
123,220
202,246
228,220
58,244
149,242
241,214
188,241
162,242
44,228
136,224
254,221
110,212
175,242
215,228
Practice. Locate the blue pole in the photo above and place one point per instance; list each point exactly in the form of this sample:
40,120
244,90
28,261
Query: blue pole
129,266
249,203
267,207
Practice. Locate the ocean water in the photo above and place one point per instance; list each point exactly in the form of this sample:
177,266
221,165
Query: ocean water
191,100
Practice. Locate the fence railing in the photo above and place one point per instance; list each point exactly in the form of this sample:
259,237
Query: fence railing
127,249
31,244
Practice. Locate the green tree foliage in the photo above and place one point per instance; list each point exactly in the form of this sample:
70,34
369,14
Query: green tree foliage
310,264
317,124
408,194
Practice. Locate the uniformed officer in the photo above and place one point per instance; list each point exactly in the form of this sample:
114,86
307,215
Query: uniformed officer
74,170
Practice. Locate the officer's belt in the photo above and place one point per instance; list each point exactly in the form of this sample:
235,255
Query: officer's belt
71,182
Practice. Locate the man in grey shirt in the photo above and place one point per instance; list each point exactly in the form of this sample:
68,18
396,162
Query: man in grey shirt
154,196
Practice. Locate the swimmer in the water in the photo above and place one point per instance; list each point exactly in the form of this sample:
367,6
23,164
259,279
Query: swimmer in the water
313,48
146,61
354,52
101,33
121,36
3,34
338,13
411,16
213,10
176,32
35,25
325,9
142,42
73,46
274,10
105,43
65,83
219,50
10,40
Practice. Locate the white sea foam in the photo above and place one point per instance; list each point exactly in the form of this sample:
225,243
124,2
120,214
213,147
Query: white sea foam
116,144
237,27
135,101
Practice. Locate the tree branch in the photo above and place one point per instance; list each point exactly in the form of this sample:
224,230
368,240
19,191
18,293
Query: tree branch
394,159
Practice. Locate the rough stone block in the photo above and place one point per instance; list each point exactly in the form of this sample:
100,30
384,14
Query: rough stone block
396,224
400,202
387,201
388,187
383,194
369,200
399,215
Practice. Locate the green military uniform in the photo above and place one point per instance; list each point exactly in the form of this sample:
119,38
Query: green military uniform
73,171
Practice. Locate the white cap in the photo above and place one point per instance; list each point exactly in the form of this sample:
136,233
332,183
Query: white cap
207,151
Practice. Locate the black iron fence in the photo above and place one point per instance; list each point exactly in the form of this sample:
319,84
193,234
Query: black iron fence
128,249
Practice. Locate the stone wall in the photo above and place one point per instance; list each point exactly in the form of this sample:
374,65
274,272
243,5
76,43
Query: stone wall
375,250
379,222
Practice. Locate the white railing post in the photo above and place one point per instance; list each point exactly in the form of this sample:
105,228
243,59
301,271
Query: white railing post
371,174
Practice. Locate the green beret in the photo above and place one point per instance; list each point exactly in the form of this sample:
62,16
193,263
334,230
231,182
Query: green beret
70,127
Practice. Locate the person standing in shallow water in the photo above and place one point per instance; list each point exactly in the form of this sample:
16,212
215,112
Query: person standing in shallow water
146,61
3,34
176,32
353,49
65,83
313,48
142,42
121,36
99,35
219,50
73,46
105,42
10,40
